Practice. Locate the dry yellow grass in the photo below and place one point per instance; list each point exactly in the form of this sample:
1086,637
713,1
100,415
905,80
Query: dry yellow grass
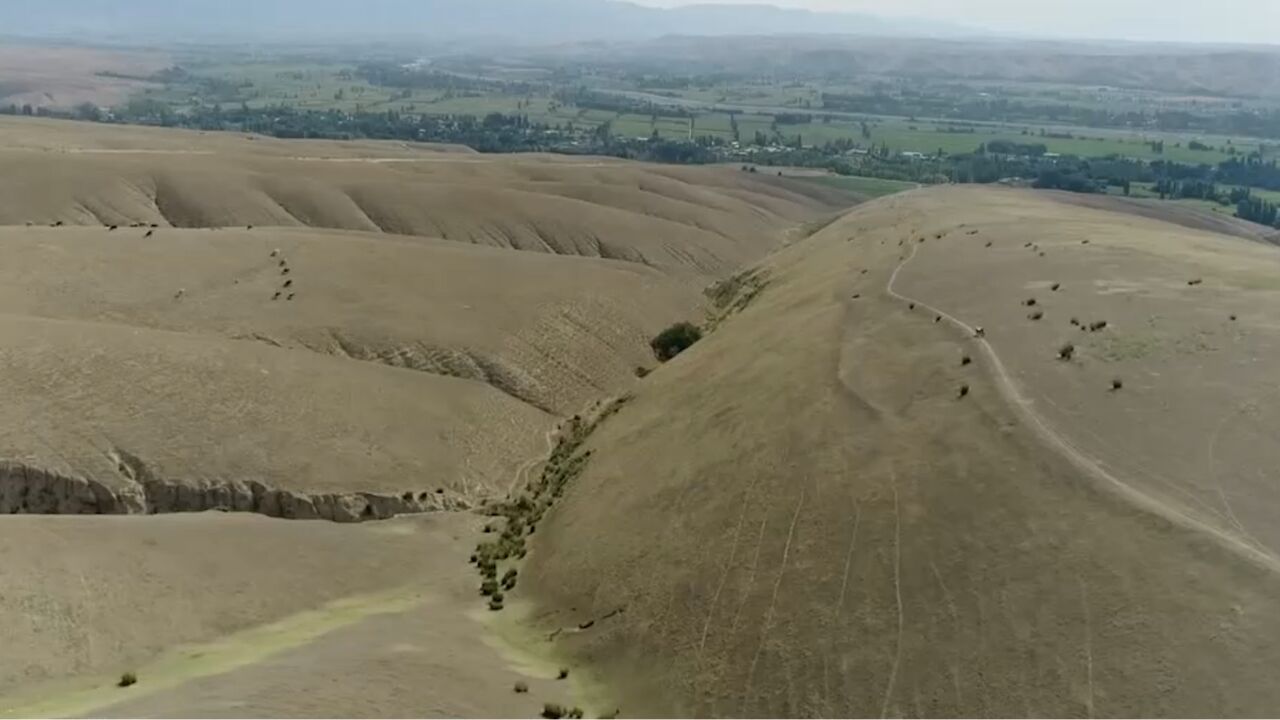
43,76
242,615
800,515
448,308
548,330
700,221
359,336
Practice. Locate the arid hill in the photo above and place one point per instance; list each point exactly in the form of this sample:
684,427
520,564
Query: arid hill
704,221
50,76
969,452
311,331
251,316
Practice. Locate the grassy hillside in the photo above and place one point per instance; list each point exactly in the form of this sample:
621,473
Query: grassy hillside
344,331
825,509
298,618
340,317
704,221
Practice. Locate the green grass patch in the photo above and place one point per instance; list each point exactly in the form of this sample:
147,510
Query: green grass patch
871,187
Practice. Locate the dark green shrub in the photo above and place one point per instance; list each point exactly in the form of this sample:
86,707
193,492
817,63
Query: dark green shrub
489,587
127,679
674,340
564,673
552,711
495,604
522,686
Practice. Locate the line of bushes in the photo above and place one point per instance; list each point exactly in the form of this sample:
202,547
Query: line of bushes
523,512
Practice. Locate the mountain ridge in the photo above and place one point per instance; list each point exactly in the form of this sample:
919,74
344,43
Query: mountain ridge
539,20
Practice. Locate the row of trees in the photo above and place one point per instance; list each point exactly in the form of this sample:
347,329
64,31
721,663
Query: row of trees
1251,122
583,97
497,132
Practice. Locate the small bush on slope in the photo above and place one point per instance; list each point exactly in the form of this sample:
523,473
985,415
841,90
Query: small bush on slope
674,340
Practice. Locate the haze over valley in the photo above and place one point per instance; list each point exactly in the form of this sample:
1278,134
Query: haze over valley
587,359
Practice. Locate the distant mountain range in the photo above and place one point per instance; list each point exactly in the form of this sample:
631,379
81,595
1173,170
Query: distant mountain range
524,21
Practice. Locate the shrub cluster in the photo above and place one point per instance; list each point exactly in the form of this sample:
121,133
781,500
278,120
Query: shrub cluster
674,340
523,513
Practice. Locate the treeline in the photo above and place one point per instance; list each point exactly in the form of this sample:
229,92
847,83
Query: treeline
1009,147
412,78
1252,122
494,132
583,97
996,161
1171,180
1248,206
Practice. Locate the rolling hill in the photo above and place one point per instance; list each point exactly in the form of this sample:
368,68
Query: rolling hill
230,327
886,486
962,450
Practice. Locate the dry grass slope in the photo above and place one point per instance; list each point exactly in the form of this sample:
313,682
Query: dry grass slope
699,221
284,619
330,317
799,517
306,329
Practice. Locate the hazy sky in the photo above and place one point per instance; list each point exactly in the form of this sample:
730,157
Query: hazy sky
1255,21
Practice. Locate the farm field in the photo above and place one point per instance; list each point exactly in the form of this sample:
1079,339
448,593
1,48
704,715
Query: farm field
338,86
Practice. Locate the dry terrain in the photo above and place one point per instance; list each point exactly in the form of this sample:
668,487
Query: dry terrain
846,503
250,316
63,77
108,594
961,451
338,331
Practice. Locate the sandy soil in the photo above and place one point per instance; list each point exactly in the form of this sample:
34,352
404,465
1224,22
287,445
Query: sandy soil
805,518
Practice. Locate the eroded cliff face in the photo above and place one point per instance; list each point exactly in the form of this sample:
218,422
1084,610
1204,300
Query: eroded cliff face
25,489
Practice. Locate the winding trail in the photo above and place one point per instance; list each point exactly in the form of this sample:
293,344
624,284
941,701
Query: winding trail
1008,389
521,476
897,592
